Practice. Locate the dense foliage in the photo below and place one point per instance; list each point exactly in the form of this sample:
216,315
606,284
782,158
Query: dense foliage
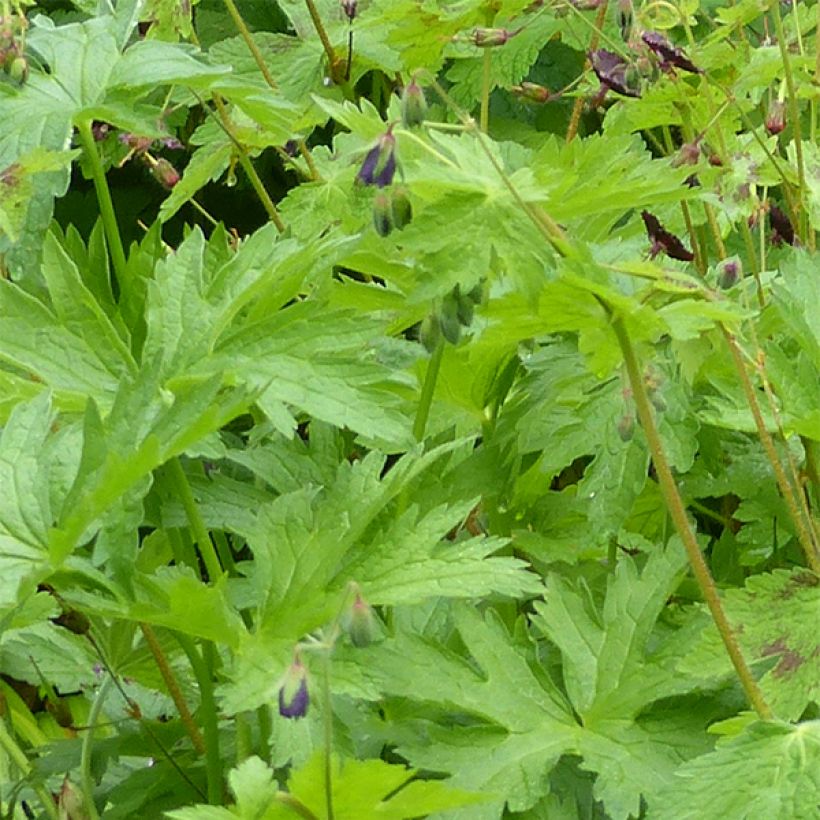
409,408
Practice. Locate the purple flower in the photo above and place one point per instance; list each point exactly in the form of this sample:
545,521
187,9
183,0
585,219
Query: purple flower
663,241
379,165
294,698
670,55
611,69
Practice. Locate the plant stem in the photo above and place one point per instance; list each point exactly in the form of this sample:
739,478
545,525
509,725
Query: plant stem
327,716
249,41
109,217
308,158
486,66
332,60
812,469
427,390
295,805
200,531
677,511
85,752
204,673
794,114
19,759
173,688
578,106
786,489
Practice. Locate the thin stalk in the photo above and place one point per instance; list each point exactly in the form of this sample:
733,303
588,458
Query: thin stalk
595,37
812,465
328,727
265,723
200,531
308,158
786,489
748,241
332,60
295,805
174,689
715,229
677,511
700,261
107,213
249,42
486,68
427,390
223,549
85,753
17,756
204,673
794,111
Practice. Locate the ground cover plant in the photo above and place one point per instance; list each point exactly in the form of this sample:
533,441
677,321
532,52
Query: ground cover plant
409,409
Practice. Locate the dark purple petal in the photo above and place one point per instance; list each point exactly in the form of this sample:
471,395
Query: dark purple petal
664,241
669,54
379,164
782,230
297,705
610,69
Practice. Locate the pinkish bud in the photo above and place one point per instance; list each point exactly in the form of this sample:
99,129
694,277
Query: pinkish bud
532,92
165,173
490,37
729,271
350,8
360,625
776,117
413,105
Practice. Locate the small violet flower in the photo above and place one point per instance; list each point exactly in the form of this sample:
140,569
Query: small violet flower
379,165
294,698
611,70
669,54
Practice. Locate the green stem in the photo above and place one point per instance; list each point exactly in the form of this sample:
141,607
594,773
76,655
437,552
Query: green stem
88,743
198,528
295,805
794,111
486,66
19,759
109,217
595,37
204,673
810,448
265,723
174,689
677,511
786,489
249,41
327,717
330,53
427,390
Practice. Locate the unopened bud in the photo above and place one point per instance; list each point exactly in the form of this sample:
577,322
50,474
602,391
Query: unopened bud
71,803
401,207
165,173
729,271
448,318
626,426
18,70
776,117
360,624
382,213
413,105
350,8
465,307
430,332
294,698
532,92
490,37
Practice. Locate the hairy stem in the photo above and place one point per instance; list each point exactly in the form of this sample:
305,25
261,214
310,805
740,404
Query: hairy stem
249,41
578,106
109,217
174,689
677,511
330,53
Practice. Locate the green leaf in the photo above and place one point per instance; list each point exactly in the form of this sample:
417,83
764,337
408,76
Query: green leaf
781,760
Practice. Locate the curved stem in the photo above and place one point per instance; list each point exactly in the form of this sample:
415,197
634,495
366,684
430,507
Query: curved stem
107,213
677,512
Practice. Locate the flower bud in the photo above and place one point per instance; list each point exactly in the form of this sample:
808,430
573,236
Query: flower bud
413,105
165,173
776,117
532,92
448,318
382,213
18,70
626,426
430,332
359,623
379,165
350,8
490,37
465,307
294,698
401,207
729,271
625,18
71,803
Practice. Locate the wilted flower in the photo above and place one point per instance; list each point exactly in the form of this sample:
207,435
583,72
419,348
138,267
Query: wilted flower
670,54
294,698
413,104
625,18
99,130
663,241
782,230
350,7
776,117
689,154
71,802
136,143
611,70
532,92
379,165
